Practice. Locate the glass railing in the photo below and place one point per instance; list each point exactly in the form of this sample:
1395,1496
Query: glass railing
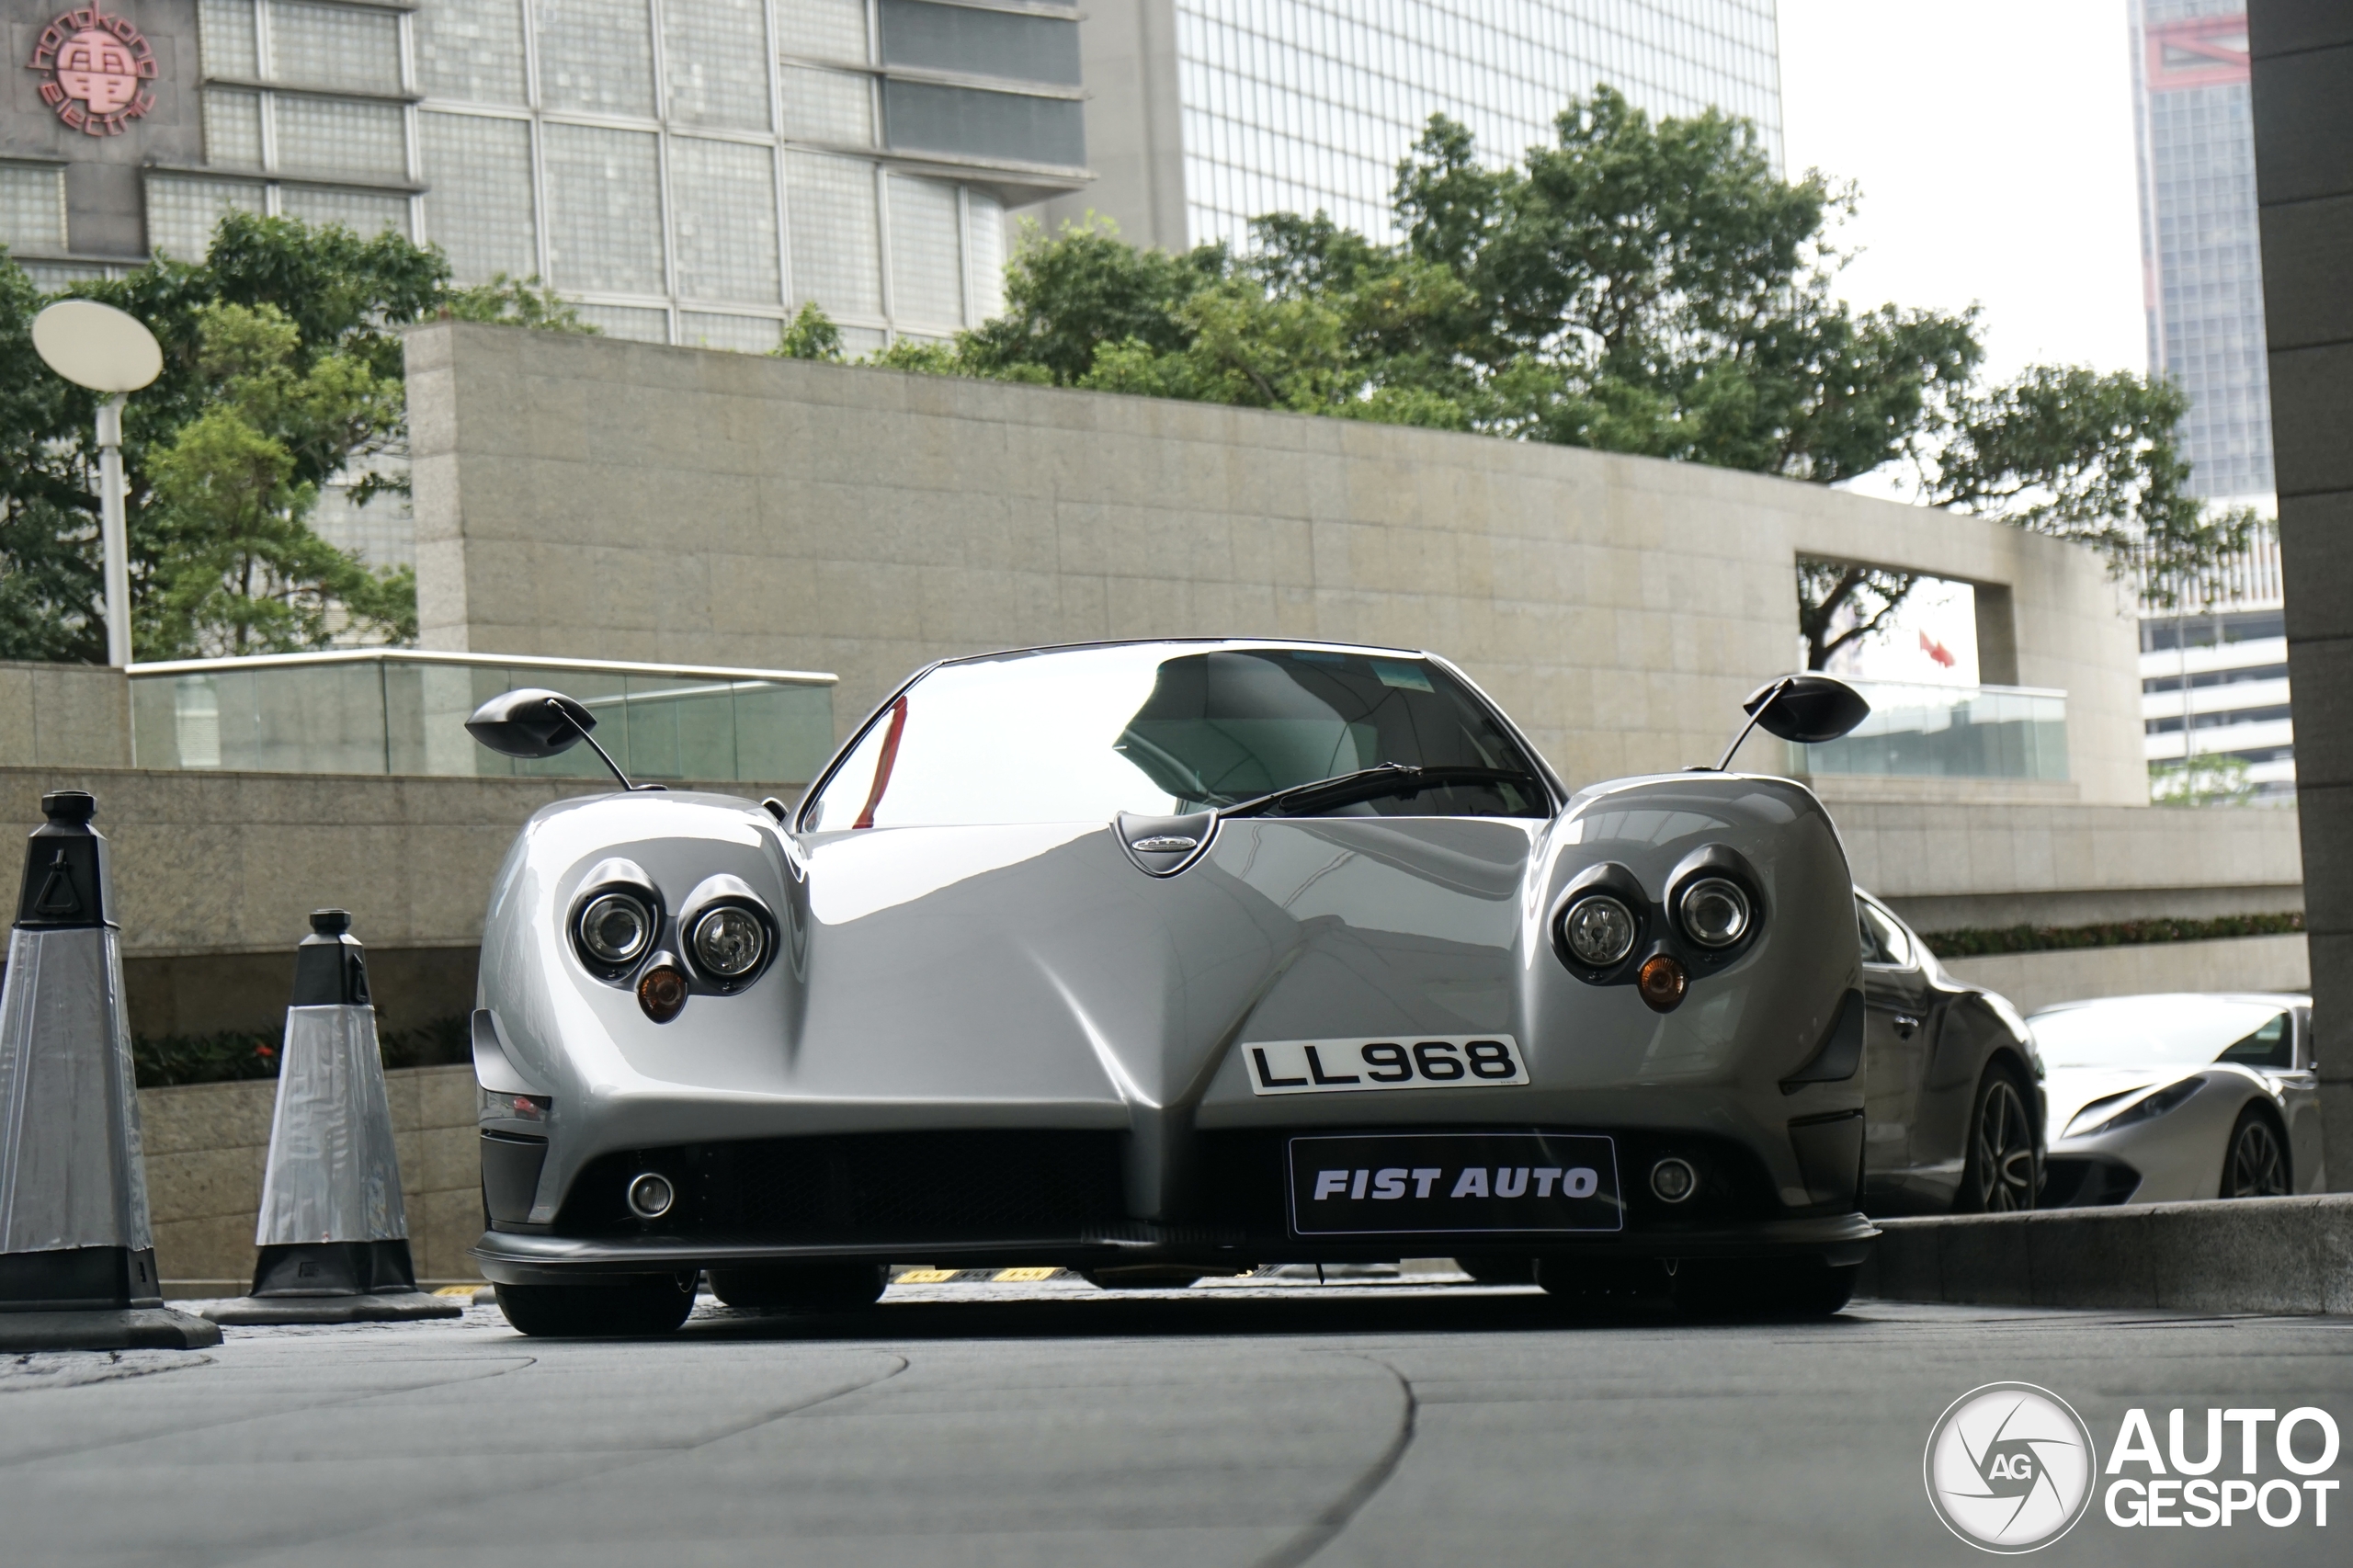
400,711
1948,732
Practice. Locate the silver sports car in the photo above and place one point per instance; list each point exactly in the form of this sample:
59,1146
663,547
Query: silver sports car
1161,959
2162,1097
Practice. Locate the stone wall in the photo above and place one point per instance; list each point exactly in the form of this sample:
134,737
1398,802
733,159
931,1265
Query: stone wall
64,715
592,497
207,1145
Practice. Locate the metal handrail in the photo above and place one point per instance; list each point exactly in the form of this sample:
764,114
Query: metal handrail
478,661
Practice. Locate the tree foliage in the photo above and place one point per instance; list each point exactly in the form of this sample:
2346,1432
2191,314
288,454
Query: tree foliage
282,373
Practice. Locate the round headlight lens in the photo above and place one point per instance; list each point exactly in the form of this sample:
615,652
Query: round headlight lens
616,928
729,942
1599,930
1715,913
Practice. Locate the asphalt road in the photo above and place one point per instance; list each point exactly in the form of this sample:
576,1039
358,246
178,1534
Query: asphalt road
1350,1425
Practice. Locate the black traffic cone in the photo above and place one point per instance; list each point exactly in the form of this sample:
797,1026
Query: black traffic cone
77,1256
334,1231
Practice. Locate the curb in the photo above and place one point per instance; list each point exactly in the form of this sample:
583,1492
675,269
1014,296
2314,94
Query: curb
2285,1256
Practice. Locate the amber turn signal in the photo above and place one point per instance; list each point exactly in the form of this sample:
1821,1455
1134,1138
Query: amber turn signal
662,992
1661,981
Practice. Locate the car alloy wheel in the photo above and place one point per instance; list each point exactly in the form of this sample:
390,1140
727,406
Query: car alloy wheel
2258,1167
2001,1153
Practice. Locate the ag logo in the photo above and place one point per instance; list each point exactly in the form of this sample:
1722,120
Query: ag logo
98,68
2009,1467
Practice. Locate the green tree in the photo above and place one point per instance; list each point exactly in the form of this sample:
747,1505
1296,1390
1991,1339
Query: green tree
49,532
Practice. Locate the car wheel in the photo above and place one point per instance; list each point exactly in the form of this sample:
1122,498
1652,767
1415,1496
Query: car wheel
1998,1177
2256,1166
802,1286
1601,1287
1494,1269
639,1307
1778,1289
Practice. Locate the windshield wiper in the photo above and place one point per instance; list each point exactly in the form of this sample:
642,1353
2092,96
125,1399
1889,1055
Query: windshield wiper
1373,784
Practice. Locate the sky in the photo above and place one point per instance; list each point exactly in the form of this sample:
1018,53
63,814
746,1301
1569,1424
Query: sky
1993,140
1993,143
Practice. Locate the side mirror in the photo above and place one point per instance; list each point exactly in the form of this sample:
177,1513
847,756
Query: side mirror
531,722
1807,709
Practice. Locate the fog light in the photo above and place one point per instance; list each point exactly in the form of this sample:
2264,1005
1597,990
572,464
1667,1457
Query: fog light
651,1195
662,992
1599,930
1661,981
1674,1180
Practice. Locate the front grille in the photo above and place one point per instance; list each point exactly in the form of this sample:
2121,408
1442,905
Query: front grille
863,1187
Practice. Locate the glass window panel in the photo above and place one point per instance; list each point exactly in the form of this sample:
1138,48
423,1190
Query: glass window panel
979,42
181,213
828,106
478,194
631,321
596,56
837,239
224,31
783,733
32,208
745,334
971,120
604,210
53,277
984,255
333,136
724,194
362,213
334,46
715,52
857,342
232,126
823,29
926,263
471,49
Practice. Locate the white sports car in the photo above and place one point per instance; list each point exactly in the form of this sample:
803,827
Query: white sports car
2158,1098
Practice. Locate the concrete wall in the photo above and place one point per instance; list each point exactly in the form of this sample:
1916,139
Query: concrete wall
588,496
2239,963
1135,141
2302,102
207,1145
64,715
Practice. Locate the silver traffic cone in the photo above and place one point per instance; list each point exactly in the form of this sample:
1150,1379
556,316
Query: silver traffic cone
334,1231
77,1257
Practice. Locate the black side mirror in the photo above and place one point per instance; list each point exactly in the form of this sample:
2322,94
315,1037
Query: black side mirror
1807,709
531,722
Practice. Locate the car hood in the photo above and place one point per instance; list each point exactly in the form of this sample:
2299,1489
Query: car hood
2066,1090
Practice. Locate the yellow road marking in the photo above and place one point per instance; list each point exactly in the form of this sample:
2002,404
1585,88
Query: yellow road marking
925,1277
1024,1275
459,1289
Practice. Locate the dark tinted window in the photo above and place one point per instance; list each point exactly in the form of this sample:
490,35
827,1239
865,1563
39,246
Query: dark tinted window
984,43
1013,126
2271,1044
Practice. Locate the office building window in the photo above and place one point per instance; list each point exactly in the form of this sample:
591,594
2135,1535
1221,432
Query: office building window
823,29
478,194
337,47
224,32
715,56
595,56
837,237
471,49
181,213
232,127
745,334
32,207
339,136
724,194
985,255
830,107
604,211
628,321
926,263
363,212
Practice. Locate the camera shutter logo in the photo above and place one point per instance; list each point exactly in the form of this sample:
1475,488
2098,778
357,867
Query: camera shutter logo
98,68
2010,1467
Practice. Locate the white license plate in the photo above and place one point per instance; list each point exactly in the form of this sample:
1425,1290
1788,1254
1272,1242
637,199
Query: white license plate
1397,1062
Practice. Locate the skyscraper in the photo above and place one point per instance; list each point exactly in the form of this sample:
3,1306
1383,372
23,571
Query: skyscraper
1202,114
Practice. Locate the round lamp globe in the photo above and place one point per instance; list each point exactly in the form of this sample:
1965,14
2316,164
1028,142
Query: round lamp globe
97,346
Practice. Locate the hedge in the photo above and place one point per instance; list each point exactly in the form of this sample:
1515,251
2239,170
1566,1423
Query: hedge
226,1057
1972,942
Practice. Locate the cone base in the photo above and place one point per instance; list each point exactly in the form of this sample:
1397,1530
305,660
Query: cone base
392,1306
115,1328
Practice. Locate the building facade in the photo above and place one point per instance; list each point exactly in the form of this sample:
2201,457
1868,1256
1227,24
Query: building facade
2214,669
1203,114
2201,262
687,171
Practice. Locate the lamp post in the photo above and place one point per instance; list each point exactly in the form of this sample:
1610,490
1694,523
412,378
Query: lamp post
102,349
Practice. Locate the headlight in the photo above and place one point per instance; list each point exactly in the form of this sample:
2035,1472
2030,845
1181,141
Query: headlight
1599,930
1714,912
2098,1117
730,942
616,928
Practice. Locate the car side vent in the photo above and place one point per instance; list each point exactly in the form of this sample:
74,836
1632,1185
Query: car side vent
1162,847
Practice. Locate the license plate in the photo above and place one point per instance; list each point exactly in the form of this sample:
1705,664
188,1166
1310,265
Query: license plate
1400,1061
1522,1183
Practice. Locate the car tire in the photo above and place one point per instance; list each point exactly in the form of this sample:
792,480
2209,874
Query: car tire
2256,1160
639,1308
1605,1287
1778,1289
802,1286
1498,1268
2000,1175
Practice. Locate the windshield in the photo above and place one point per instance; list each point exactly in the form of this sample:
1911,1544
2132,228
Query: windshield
2165,1031
1080,734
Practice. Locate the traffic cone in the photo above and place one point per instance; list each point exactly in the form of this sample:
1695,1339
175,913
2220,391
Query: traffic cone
333,1233
77,1257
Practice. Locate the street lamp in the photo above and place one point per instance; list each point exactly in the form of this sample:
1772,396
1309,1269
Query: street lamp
99,347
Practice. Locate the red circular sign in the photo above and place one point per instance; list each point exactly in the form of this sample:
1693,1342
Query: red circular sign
98,68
